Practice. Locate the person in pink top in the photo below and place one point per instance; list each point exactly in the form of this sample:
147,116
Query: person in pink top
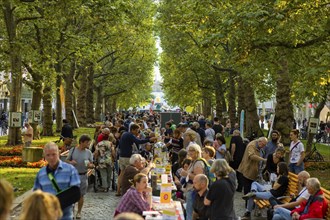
138,198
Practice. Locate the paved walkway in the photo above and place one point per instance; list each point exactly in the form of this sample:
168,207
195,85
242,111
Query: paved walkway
101,206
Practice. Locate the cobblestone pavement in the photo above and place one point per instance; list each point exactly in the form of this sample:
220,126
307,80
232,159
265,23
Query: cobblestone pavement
101,206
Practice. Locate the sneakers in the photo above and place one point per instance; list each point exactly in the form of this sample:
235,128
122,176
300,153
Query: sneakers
249,195
247,215
78,216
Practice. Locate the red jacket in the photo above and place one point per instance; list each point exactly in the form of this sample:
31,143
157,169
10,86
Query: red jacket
317,208
102,137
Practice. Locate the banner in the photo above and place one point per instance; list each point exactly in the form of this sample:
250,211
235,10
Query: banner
62,98
241,124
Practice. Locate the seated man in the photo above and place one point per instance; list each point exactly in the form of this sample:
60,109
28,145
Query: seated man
315,207
282,211
136,166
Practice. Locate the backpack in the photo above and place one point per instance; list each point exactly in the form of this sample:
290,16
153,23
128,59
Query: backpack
208,173
104,158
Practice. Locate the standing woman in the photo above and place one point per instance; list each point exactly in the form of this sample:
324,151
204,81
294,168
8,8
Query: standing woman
221,149
196,167
220,197
237,149
297,153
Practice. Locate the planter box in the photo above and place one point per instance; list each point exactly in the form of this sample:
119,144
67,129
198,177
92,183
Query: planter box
32,154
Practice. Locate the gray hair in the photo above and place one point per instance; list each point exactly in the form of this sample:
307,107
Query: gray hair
314,183
264,139
304,174
106,131
221,168
134,158
51,145
196,148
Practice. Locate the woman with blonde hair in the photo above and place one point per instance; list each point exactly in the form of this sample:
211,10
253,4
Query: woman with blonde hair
41,205
6,198
220,197
197,166
189,137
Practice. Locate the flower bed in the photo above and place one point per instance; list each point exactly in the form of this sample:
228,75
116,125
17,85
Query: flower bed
11,151
16,161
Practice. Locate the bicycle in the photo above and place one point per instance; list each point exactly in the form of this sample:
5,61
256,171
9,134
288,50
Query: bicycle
314,155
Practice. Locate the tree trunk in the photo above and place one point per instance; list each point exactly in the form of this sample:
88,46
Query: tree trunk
207,103
90,96
251,120
47,111
98,103
106,104
81,104
284,109
310,136
15,88
219,96
231,99
69,93
36,101
58,108
114,105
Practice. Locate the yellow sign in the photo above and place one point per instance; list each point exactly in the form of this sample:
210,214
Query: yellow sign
165,193
189,109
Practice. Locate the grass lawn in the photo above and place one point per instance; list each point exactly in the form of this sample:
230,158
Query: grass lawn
45,139
21,178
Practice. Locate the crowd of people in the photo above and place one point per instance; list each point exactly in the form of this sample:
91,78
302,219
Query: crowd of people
207,172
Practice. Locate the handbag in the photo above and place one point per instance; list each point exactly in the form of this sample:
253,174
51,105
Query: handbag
66,197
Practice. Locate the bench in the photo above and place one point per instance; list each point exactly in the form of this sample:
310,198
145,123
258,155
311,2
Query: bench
292,189
327,196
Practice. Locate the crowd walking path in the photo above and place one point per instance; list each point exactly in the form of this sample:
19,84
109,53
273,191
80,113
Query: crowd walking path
101,206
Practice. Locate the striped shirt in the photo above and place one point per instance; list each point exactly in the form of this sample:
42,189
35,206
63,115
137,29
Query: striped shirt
133,201
65,174
176,145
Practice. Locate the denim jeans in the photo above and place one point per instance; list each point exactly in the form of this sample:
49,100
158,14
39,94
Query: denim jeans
282,214
67,213
189,204
296,169
258,188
